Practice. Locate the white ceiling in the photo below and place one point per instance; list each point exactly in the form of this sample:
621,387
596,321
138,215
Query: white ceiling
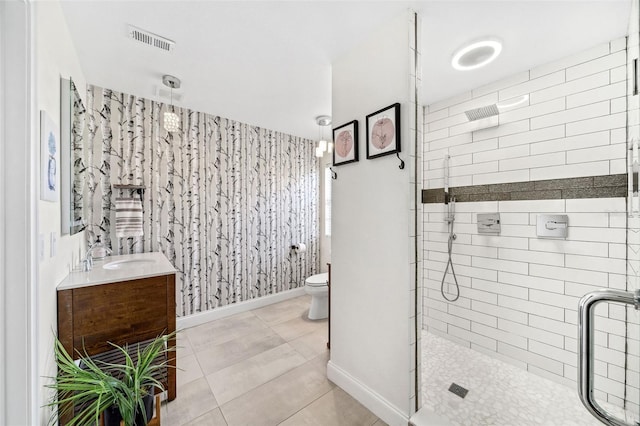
268,63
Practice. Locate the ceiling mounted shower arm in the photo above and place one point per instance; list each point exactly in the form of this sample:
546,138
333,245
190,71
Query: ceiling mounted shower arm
482,112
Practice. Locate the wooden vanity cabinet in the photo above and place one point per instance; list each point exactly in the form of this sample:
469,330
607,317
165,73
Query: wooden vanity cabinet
125,312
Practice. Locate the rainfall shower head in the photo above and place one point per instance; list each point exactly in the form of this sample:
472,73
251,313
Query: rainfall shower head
482,112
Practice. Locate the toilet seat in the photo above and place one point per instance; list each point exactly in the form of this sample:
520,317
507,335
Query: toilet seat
318,280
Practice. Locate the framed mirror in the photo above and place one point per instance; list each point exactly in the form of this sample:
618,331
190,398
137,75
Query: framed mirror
72,116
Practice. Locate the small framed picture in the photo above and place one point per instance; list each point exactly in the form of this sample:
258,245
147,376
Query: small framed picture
345,139
383,132
49,158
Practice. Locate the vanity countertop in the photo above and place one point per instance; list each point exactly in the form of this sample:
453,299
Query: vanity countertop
120,268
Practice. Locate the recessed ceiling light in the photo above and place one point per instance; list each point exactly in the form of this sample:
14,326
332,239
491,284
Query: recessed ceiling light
476,55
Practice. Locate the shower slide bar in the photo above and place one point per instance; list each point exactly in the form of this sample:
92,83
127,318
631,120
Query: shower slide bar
633,198
586,311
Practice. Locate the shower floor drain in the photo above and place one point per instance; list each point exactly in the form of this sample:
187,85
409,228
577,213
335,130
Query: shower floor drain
458,390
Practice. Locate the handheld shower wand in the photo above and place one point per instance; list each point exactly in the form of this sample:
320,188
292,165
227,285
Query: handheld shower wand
450,217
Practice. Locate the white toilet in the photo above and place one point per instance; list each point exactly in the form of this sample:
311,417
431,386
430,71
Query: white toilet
317,287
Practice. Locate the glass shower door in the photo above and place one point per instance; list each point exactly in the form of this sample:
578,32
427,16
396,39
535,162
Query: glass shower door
609,320
507,351
625,414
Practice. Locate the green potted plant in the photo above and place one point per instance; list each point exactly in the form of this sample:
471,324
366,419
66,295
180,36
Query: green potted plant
124,391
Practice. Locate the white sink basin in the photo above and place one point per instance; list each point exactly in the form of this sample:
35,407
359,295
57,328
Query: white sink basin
125,267
128,264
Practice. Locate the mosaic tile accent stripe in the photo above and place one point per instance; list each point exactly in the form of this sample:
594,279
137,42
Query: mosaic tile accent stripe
609,186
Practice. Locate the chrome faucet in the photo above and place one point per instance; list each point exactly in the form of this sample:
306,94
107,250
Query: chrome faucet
87,263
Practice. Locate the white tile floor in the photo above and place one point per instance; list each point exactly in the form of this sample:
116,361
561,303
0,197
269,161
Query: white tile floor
260,368
499,393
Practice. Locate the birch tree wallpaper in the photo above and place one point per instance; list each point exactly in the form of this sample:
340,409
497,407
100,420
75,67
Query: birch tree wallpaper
223,200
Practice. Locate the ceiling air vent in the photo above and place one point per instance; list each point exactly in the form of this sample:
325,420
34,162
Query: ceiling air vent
151,39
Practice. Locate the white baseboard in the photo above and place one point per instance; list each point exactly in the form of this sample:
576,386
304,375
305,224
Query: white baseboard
379,406
236,308
426,417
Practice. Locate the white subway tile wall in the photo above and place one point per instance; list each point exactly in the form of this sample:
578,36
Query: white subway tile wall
519,293
571,125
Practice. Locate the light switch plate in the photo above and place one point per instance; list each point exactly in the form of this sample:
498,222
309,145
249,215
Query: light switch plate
54,244
41,247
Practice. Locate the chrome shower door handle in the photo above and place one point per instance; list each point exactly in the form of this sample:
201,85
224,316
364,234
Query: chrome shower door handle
586,310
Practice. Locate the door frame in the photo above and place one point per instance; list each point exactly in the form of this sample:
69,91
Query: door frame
19,389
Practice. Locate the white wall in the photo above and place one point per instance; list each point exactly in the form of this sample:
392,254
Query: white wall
55,57
17,273
3,282
519,293
371,252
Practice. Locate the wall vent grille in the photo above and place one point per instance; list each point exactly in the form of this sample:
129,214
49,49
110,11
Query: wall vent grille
150,39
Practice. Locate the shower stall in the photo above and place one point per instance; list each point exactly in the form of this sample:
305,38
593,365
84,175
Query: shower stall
526,211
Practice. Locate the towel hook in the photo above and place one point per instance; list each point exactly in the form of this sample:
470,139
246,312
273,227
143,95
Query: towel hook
334,175
401,166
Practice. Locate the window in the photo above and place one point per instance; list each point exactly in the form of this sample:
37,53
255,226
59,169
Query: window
327,201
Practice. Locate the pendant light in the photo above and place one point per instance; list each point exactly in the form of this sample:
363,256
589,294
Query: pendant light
323,146
171,119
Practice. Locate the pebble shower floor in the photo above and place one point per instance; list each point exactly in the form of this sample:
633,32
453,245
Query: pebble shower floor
499,393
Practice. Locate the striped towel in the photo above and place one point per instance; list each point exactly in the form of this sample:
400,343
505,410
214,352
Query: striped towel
128,217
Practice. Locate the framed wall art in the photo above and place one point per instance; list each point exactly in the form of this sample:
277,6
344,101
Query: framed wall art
383,132
345,139
49,158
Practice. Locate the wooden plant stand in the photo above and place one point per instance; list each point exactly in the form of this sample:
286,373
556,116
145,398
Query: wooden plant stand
155,421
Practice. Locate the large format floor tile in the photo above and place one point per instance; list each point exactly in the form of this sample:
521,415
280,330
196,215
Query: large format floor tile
183,346
335,408
240,378
217,357
194,399
260,368
296,327
189,370
280,398
224,330
283,311
211,418
312,344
